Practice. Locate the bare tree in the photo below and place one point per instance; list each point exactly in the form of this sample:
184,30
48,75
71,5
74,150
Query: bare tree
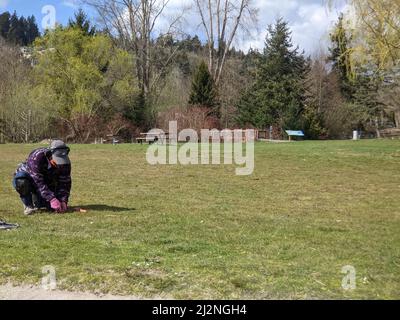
20,120
133,23
117,124
222,20
195,117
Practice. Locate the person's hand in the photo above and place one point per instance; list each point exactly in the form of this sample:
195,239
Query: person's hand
55,205
64,207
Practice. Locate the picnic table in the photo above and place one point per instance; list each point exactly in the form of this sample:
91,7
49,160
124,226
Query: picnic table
153,137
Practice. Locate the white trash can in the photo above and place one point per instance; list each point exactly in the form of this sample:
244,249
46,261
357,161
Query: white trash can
355,135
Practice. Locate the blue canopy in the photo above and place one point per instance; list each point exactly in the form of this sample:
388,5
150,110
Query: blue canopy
294,133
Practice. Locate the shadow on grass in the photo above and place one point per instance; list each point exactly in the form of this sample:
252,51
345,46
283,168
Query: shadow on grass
103,207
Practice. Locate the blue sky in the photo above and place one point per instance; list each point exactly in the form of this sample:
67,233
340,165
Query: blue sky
64,8
310,20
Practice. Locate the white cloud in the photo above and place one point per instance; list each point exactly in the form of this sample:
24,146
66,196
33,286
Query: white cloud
181,10
3,3
312,27
309,21
284,5
70,3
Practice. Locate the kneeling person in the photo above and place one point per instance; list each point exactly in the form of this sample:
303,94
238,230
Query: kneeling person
44,180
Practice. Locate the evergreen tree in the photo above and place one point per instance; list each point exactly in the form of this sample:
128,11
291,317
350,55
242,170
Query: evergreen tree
4,24
19,31
366,103
340,56
14,32
278,93
82,22
136,111
203,90
31,30
196,44
359,87
191,44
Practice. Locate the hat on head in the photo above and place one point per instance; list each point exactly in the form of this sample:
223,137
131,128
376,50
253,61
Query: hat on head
60,152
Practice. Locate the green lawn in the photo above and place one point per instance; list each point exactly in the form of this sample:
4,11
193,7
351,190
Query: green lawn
286,231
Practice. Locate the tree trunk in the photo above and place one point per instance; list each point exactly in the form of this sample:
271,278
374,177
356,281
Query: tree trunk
397,118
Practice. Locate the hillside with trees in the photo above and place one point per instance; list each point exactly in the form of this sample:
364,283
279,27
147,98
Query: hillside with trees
85,81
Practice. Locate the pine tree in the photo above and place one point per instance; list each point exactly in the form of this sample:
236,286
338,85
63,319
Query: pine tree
14,33
359,86
18,30
365,101
31,30
340,56
82,22
4,24
21,33
277,96
203,92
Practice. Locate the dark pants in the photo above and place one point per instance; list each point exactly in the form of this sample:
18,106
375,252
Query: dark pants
24,185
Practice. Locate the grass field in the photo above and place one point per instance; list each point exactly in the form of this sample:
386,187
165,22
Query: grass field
286,231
